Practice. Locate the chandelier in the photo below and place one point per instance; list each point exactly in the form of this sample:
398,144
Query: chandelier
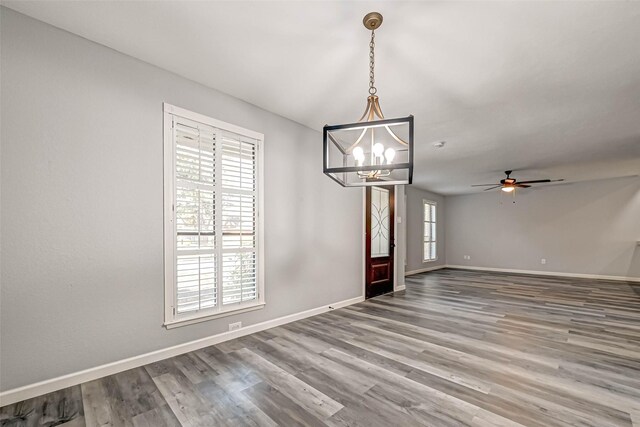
373,150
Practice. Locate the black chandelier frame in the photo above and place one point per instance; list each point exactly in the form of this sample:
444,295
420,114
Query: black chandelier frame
329,171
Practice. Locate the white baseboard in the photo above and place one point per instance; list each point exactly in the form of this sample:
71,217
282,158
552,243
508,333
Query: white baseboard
32,390
424,270
547,273
400,288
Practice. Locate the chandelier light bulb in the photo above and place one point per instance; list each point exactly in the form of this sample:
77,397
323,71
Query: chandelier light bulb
390,154
508,189
358,153
378,149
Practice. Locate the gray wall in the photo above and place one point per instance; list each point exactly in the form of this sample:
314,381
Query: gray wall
414,230
81,212
587,228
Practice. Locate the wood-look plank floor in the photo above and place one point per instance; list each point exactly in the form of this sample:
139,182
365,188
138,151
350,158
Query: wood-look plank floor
456,348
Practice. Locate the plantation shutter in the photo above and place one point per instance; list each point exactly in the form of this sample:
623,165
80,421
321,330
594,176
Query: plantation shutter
195,191
215,217
429,251
238,188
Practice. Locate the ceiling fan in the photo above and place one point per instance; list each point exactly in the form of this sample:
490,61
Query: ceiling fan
509,184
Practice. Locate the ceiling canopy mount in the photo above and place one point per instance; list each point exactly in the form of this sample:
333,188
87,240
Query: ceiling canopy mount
372,20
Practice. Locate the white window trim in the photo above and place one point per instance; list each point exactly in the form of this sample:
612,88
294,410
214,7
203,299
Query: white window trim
424,203
171,319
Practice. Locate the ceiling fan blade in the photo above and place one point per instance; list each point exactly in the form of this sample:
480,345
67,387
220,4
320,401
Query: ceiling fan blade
491,188
522,185
537,181
482,185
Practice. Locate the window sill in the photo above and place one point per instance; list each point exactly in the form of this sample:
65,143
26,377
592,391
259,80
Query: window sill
429,260
197,319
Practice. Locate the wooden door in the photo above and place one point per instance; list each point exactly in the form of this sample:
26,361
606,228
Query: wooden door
380,243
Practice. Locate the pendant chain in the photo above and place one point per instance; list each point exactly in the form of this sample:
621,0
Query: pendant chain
372,63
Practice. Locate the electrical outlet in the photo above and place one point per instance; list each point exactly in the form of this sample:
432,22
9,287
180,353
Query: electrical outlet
467,257
543,261
235,326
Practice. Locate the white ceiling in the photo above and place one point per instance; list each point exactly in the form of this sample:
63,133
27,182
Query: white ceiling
549,89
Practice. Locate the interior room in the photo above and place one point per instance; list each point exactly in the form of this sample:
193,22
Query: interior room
319,213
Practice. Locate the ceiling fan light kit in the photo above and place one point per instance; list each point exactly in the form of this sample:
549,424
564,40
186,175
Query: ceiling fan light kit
374,150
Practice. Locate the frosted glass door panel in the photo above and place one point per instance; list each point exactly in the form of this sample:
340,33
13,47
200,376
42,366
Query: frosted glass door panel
379,222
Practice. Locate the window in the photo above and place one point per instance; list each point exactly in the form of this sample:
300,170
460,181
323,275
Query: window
213,231
429,250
